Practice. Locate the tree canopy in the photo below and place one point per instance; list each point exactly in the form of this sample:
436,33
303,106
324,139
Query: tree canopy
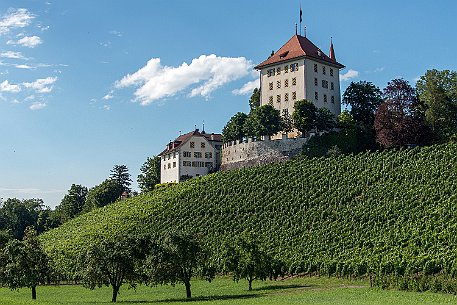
254,100
263,121
72,203
364,98
234,129
149,174
120,174
304,116
105,193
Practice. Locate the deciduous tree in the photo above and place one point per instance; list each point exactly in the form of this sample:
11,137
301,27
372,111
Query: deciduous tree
105,193
263,121
72,203
254,100
234,129
325,120
363,98
149,174
304,116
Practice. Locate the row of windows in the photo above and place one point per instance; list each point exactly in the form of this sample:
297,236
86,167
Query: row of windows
169,165
332,98
293,96
197,154
197,164
277,71
286,83
324,70
202,144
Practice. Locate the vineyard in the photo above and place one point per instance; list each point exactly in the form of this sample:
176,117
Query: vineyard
387,213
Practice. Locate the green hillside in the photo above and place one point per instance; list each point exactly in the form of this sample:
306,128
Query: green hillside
391,211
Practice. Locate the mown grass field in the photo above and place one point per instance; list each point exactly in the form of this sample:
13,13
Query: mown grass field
303,290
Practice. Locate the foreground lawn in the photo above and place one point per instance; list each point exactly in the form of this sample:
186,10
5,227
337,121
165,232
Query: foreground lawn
302,290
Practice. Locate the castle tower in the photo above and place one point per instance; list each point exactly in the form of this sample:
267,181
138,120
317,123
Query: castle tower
300,70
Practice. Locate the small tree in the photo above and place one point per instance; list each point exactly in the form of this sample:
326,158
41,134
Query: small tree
72,203
111,262
304,116
24,263
150,174
120,174
263,121
180,257
105,193
287,123
246,260
234,129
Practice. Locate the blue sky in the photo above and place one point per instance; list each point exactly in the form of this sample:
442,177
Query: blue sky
85,85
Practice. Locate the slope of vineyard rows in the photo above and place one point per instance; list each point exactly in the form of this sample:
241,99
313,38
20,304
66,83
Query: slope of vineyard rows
393,212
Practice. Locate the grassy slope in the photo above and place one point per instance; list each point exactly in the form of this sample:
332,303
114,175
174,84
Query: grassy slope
394,209
314,290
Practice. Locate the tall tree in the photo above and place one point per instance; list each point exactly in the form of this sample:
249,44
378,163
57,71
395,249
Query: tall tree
120,174
234,129
180,257
364,98
304,116
325,120
19,214
105,193
111,262
24,263
149,174
263,121
254,100
72,203
438,91
399,120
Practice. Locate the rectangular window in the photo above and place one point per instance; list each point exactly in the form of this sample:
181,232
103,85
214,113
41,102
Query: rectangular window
270,86
174,155
174,164
203,145
270,100
293,67
325,98
333,99
324,84
294,96
278,98
286,97
286,83
285,112
294,81
278,84
278,71
164,167
315,68
209,165
323,70
332,87
194,164
331,72
315,81
187,154
271,72
197,154
192,144
286,68
316,96
169,165
208,155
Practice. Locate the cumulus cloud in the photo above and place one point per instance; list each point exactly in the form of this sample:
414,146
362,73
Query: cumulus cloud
349,75
108,97
247,88
37,106
106,107
5,86
42,85
15,18
30,41
209,72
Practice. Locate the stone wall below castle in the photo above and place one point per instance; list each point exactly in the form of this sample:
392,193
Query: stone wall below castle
252,153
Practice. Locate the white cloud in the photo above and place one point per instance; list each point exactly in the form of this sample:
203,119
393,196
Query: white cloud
210,71
349,75
107,107
379,69
42,85
19,18
23,66
37,106
12,55
30,41
108,97
116,33
5,86
247,88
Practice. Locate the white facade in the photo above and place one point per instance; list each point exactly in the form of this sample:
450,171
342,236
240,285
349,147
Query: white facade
192,155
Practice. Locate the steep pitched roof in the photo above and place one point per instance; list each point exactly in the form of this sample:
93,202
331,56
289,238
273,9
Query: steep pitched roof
298,46
182,139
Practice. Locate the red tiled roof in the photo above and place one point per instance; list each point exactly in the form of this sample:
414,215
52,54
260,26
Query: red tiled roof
182,139
298,46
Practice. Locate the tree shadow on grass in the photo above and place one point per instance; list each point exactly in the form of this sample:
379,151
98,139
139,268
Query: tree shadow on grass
197,299
280,287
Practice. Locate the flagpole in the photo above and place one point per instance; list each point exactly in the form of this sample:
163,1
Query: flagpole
301,13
